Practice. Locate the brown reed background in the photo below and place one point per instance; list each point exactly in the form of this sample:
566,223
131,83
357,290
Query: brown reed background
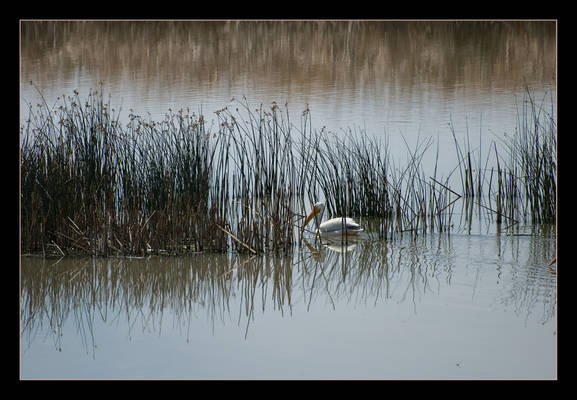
372,55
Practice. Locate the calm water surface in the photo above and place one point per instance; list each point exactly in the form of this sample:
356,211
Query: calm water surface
461,306
475,304
404,80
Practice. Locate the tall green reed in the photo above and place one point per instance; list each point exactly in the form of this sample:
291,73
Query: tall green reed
521,183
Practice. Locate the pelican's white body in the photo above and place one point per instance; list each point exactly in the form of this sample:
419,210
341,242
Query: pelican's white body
337,225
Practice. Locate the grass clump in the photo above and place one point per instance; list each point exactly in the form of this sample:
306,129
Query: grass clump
91,184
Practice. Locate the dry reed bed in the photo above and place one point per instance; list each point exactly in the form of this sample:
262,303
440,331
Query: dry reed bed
93,185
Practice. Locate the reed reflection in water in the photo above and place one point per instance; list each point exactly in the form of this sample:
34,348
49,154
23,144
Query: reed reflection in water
395,75
434,283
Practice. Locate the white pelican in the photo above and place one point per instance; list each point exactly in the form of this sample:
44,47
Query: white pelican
333,226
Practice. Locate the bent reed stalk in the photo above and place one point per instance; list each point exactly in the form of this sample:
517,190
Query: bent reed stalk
91,185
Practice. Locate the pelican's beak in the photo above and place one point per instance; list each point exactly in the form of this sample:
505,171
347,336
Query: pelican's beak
313,213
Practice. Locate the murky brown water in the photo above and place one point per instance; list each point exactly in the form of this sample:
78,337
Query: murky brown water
473,304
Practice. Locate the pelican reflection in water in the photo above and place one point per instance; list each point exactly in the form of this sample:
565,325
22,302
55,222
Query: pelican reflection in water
334,226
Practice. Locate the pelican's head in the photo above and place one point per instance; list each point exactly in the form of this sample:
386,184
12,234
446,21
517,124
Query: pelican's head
318,210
